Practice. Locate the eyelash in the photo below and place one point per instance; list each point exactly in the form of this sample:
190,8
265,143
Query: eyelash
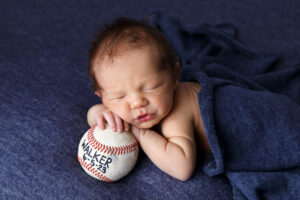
121,97
118,99
153,88
150,90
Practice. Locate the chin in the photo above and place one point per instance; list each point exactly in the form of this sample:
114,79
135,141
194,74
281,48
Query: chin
142,126
147,125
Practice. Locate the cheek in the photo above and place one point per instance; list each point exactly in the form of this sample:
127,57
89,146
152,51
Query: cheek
164,101
119,108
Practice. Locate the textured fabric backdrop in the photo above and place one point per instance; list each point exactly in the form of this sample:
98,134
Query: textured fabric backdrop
45,91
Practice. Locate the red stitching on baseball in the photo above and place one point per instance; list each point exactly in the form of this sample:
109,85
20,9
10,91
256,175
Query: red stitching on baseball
96,173
108,149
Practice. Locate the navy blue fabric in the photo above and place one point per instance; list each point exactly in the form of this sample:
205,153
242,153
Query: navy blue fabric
45,92
251,113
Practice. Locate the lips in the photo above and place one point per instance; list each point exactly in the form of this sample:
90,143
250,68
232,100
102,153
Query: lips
145,117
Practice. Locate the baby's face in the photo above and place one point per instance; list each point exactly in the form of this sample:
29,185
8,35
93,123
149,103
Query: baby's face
133,87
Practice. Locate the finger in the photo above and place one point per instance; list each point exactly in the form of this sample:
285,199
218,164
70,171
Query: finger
126,126
101,122
119,123
109,117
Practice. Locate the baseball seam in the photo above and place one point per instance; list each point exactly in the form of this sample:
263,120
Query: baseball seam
108,149
93,170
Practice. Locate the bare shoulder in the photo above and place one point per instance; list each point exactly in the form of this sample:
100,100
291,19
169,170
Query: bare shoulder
187,92
186,97
181,120
185,119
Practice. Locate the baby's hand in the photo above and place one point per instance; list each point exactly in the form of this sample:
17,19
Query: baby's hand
138,132
114,121
102,116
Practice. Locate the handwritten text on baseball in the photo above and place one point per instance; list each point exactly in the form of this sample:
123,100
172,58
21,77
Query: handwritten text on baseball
95,158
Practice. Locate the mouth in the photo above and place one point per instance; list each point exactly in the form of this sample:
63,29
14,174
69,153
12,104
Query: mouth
145,117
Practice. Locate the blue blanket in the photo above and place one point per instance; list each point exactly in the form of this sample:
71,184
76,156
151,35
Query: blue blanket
45,93
250,110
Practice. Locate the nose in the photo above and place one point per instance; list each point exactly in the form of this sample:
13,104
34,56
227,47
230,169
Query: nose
137,101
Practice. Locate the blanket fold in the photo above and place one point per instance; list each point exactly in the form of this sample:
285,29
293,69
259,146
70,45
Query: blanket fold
251,112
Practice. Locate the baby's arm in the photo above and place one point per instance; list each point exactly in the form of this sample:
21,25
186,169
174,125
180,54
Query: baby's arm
175,156
175,151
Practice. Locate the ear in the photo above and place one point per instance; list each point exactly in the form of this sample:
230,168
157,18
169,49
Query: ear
97,92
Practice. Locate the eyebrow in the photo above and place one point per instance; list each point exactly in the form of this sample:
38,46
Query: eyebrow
113,92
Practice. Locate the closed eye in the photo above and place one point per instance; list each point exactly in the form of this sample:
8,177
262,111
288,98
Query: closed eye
150,89
118,98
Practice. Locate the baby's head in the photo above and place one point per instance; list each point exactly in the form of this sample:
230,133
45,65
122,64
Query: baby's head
135,72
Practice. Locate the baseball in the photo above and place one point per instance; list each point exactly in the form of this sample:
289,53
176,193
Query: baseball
107,155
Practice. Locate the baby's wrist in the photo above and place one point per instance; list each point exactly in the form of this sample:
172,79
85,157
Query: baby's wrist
141,134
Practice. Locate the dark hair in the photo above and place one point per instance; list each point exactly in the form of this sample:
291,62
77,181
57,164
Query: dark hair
124,34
